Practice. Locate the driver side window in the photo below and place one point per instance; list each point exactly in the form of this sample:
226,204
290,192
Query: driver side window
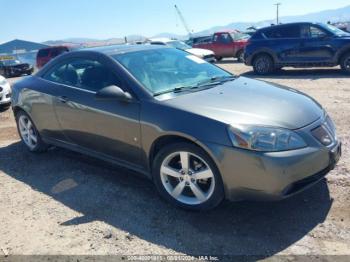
83,73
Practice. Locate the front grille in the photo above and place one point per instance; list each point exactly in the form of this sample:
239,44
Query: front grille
325,133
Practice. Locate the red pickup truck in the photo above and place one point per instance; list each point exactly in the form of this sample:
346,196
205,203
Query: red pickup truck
226,44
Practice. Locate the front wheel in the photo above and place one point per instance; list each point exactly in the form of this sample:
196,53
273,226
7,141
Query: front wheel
187,177
263,64
29,134
345,63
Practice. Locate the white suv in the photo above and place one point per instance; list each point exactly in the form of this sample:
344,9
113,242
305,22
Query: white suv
205,54
5,93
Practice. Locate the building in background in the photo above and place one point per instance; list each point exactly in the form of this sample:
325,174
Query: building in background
22,50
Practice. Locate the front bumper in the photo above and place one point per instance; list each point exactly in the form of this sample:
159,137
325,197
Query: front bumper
249,175
5,95
210,58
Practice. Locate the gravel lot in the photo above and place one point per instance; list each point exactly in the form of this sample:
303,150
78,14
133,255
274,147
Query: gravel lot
66,203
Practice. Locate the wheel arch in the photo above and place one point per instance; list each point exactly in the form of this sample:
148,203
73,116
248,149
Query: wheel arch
18,108
342,52
169,139
264,52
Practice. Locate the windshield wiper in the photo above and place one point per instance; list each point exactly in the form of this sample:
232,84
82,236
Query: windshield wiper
216,80
174,90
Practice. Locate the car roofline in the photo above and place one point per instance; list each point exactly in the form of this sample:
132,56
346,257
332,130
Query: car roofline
287,24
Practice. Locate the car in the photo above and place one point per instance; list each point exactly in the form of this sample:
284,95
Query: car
298,45
15,68
44,55
198,132
5,93
205,54
226,44
198,39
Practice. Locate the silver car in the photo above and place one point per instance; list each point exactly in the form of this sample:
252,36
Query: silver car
200,133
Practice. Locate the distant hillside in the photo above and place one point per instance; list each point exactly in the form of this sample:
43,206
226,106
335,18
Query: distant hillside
169,35
335,15
89,42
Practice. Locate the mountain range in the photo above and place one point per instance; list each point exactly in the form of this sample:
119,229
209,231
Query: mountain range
333,15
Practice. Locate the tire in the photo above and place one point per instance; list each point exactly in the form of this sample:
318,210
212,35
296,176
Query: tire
263,64
240,56
345,63
200,186
29,134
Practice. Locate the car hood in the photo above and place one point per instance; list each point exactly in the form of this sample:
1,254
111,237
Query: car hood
200,52
251,102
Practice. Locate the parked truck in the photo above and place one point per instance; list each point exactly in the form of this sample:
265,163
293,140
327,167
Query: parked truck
226,44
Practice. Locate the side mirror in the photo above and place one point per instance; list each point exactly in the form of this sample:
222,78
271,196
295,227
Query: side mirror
113,93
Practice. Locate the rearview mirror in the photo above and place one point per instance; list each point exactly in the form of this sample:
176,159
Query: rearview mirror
113,92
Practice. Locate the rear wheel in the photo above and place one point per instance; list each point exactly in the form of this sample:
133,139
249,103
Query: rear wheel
345,62
187,177
263,64
29,134
240,56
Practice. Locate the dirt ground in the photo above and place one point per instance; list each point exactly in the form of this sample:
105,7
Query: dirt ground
66,203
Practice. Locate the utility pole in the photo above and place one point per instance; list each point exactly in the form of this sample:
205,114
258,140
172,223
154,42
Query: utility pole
278,12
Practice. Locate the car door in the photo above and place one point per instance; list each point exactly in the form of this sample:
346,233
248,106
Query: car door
285,42
107,127
316,44
223,44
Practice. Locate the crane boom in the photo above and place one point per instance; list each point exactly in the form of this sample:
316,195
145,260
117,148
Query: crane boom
183,20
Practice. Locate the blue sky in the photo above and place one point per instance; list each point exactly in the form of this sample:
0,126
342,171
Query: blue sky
40,20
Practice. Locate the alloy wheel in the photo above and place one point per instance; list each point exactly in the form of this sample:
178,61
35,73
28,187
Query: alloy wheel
27,131
262,65
187,178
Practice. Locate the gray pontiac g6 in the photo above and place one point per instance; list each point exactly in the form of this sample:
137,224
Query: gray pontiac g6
200,133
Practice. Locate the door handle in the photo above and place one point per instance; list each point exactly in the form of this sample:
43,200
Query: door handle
63,99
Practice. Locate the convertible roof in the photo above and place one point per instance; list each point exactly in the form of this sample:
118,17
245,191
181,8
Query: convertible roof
122,49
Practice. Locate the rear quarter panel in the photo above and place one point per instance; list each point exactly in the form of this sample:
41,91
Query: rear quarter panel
36,97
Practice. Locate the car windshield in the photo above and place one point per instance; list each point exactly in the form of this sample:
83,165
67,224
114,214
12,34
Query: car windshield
11,62
239,36
167,70
335,30
179,45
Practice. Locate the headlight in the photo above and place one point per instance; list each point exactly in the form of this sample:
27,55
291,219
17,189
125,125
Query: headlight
265,139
